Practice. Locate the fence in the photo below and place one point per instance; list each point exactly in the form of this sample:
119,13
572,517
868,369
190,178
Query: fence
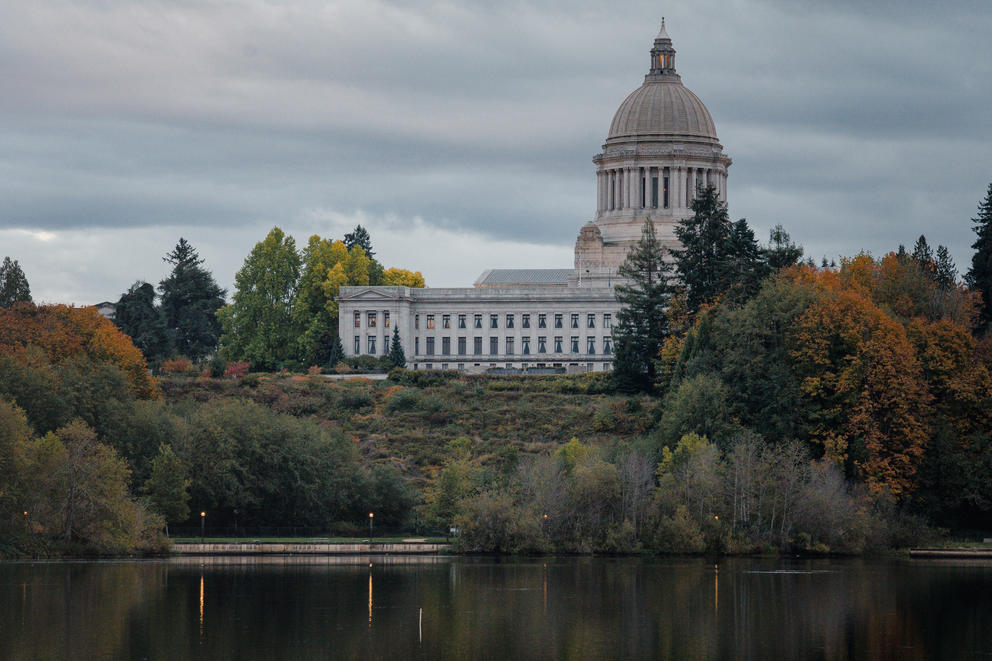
308,532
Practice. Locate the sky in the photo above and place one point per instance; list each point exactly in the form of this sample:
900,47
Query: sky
461,134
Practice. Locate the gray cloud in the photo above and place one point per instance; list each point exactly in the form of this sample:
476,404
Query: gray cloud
856,125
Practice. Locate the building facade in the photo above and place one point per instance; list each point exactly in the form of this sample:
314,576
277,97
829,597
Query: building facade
662,145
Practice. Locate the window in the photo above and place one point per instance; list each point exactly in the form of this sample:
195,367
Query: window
558,344
590,345
358,344
525,321
416,321
461,321
385,318
542,321
665,196
462,346
542,344
493,346
607,346
644,191
478,321
416,346
371,344
654,192
509,346
430,321
477,346
590,321
509,321
371,319
445,346
444,366
558,318
607,320
575,321
525,345
430,346
358,320
385,346
575,344
494,321
446,321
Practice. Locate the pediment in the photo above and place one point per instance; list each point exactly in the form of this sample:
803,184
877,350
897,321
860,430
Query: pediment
370,294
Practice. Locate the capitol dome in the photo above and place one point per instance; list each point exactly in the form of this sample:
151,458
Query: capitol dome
662,108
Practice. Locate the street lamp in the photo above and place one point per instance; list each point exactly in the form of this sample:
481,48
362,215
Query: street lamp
203,523
370,524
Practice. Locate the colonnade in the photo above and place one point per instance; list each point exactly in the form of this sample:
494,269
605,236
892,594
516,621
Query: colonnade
635,187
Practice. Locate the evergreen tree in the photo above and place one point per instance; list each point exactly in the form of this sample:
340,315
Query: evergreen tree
946,273
190,301
923,255
396,355
359,237
716,255
979,277
168,487
781,252
257,325
642,324
14,286
336,354
138,317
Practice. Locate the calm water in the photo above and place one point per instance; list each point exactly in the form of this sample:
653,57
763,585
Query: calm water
560,608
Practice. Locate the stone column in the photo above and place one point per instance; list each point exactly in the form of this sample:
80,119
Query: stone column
630,187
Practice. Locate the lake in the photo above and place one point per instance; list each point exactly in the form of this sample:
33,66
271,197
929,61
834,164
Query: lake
496,608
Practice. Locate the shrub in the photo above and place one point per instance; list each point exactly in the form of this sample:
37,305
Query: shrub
179,366
314,370
216,366
422,378
236,369
363,363
404,400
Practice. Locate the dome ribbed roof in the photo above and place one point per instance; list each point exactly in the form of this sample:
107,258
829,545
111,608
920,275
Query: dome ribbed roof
662,107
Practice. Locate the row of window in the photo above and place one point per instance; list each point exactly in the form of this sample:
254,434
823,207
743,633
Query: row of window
509,320
461,366
370,345
509,346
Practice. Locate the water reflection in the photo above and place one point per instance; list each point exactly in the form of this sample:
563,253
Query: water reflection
575,608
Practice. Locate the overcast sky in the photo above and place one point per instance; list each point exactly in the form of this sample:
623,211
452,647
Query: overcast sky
461,133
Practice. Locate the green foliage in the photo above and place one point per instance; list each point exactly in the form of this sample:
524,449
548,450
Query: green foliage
138,317
699,406
979,276
256,325
396,355
642,324
781,252
14,286
314,312
359,237
167,486
190,299
718,256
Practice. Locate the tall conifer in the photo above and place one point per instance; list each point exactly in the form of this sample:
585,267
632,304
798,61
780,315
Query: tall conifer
642,324
979,276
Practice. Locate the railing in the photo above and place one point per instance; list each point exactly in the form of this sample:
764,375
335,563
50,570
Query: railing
304,532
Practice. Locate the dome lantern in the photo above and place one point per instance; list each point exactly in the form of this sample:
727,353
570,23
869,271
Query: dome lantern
662,54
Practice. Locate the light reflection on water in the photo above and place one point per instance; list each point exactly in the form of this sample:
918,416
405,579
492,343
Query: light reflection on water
305,607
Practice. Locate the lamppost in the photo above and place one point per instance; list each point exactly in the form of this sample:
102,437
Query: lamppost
370,525
203,524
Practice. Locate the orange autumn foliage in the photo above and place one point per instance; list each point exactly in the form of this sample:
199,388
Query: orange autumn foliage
63,332
858,369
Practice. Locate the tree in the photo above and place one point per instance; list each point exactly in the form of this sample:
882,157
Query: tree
359,237
14,286
716,255
923,255
396,355
642,324
138,317
314,312
168,487
781,252
256,324
403,278
336,354
979,276
946,273
190,301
